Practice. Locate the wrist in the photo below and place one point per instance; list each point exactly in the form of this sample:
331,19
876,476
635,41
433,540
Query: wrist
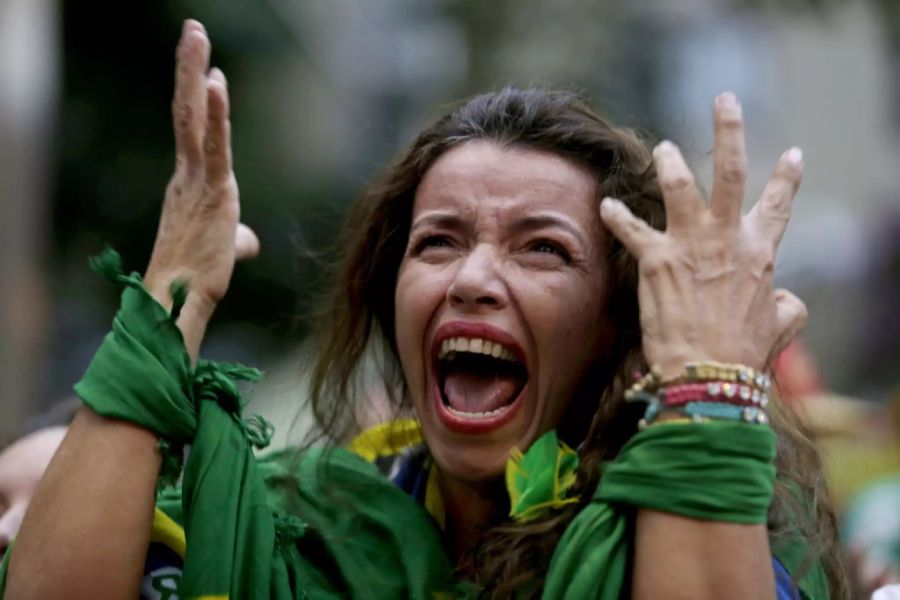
192,321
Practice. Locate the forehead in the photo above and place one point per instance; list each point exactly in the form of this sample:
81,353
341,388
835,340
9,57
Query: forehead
483,177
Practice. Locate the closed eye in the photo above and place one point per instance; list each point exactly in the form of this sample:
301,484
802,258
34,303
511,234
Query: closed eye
551,247
431,241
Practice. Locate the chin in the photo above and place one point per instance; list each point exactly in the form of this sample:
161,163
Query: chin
479,455
471,463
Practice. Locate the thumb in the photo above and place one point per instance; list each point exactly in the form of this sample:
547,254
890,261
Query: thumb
790,317
246,244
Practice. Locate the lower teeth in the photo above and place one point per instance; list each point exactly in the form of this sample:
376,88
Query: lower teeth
489,413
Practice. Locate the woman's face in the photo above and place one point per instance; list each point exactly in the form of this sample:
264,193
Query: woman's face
500,301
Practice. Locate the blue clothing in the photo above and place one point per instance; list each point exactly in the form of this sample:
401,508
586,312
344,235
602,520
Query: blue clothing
784,585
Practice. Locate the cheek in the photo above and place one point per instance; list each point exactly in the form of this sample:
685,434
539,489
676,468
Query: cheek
566,314
570,330
416,299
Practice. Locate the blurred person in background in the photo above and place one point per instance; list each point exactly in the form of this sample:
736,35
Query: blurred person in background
861,444
512,308
22,464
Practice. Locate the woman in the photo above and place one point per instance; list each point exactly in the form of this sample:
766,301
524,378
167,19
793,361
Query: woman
506,297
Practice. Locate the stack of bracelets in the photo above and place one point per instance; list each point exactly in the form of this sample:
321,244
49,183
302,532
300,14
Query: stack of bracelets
706,391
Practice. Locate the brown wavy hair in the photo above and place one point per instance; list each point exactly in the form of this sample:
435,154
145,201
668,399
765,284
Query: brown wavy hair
358,317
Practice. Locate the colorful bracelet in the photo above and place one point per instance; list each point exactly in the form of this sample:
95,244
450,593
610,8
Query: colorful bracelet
715,371
729,412
713,391
647,385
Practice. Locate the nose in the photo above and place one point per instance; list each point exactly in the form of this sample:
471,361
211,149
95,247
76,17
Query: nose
477,283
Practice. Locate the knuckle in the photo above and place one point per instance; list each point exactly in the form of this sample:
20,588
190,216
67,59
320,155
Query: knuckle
762,258
654,264
183,114
676,182
733,170
777,204
731,121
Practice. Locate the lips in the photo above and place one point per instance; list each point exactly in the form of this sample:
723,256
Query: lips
479,378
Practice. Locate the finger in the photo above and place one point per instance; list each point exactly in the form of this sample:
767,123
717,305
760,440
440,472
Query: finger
189,102
730,160
683,201
790,318
769,216
635,234
217,145
246,244
216,74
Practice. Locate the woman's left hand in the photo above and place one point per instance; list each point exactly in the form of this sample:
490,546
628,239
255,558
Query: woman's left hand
706,283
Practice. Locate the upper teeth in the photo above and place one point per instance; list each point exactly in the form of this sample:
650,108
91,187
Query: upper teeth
476,346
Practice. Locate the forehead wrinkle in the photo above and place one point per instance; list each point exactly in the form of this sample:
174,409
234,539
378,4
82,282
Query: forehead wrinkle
486,182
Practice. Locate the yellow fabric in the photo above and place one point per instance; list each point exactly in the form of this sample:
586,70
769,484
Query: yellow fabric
392,438
434,502
386,439
166,531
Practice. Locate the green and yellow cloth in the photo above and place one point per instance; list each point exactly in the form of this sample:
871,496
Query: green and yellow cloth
326,524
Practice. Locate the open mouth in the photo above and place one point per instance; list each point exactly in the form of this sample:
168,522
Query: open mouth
479,382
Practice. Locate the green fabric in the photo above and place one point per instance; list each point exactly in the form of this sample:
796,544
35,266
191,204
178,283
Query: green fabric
719,471
240,543
793,550
540,480
326,524
4,567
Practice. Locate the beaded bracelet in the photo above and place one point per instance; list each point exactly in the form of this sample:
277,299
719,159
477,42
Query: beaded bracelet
704,411
714,391
706,391
715,371
729,412
700,372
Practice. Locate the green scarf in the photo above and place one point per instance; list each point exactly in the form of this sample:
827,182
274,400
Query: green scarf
325,523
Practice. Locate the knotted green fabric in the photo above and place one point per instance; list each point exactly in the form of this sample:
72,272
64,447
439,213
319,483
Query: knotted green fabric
243,539
325,523
540,480
718,471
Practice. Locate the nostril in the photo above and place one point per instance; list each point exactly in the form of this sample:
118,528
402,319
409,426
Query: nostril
484,300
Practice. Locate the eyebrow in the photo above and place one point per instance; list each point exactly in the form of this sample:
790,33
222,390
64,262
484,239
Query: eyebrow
528,223
533,222
442,220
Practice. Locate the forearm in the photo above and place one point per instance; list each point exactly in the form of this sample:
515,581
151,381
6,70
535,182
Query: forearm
86,532
679,557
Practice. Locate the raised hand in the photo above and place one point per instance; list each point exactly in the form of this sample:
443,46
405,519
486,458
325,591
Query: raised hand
706,283
200,236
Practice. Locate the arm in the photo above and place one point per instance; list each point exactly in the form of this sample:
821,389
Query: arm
86,532
87,528
678,557
706,293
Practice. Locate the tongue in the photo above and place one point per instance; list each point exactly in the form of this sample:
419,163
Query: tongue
473,392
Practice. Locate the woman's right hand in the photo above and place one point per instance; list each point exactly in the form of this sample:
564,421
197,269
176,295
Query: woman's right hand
200,235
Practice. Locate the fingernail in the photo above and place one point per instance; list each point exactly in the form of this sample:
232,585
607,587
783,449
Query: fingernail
794,156
664,146
610,204
192,24
727,100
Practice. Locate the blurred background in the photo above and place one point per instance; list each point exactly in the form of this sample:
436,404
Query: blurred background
325,92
